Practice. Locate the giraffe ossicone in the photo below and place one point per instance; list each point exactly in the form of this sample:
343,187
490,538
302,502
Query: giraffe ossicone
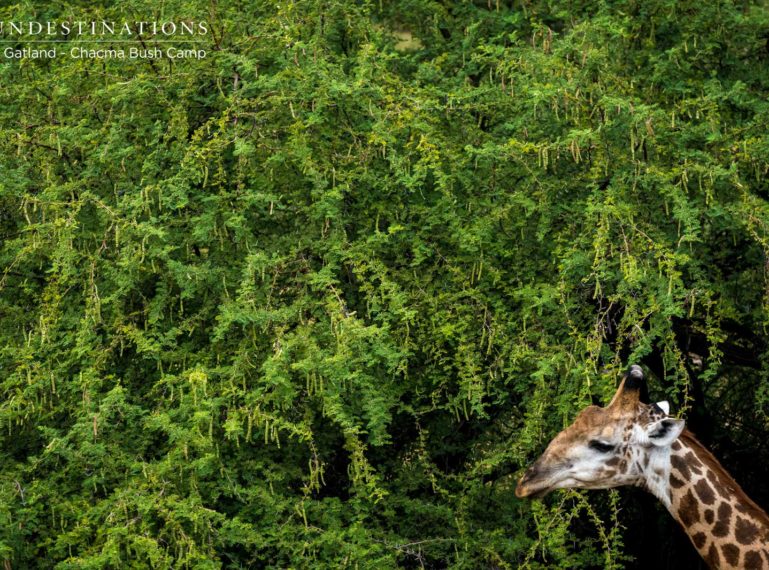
632,443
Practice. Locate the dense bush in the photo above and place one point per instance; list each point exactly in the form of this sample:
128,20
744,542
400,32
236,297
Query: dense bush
316,299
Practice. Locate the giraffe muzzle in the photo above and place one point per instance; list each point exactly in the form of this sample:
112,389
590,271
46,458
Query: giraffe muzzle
535,483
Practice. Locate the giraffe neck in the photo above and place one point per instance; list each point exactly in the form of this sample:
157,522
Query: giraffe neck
725,526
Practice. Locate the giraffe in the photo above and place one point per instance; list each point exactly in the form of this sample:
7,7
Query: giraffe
632,443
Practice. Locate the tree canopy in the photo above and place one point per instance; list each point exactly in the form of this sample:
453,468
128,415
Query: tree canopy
317,298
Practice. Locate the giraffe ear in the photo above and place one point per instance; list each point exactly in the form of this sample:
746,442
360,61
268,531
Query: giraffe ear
665,431
664,406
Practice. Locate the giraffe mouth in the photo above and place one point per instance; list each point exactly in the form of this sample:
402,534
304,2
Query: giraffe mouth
532,492
541,493
539,480
529,487
532,488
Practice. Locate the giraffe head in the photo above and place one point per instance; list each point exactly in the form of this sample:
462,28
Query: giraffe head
621,444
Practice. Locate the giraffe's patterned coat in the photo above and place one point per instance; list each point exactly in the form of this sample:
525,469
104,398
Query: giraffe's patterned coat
727,528
631,443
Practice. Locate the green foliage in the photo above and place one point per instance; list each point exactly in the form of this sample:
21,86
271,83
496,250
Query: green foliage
316,299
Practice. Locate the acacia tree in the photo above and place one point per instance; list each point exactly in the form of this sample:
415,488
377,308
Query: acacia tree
316,299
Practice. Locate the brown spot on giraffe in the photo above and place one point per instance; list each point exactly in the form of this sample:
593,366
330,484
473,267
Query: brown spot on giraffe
705,492
700,540
753,560
676,482
692,461
731,554
713,559
718,485
689,510
723,523
680,465
709,516
745,531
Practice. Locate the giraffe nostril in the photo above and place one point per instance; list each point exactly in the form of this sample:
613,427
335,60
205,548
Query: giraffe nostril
532,473
528,474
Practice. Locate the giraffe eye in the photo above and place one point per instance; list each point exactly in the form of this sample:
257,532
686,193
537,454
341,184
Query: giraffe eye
600,446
